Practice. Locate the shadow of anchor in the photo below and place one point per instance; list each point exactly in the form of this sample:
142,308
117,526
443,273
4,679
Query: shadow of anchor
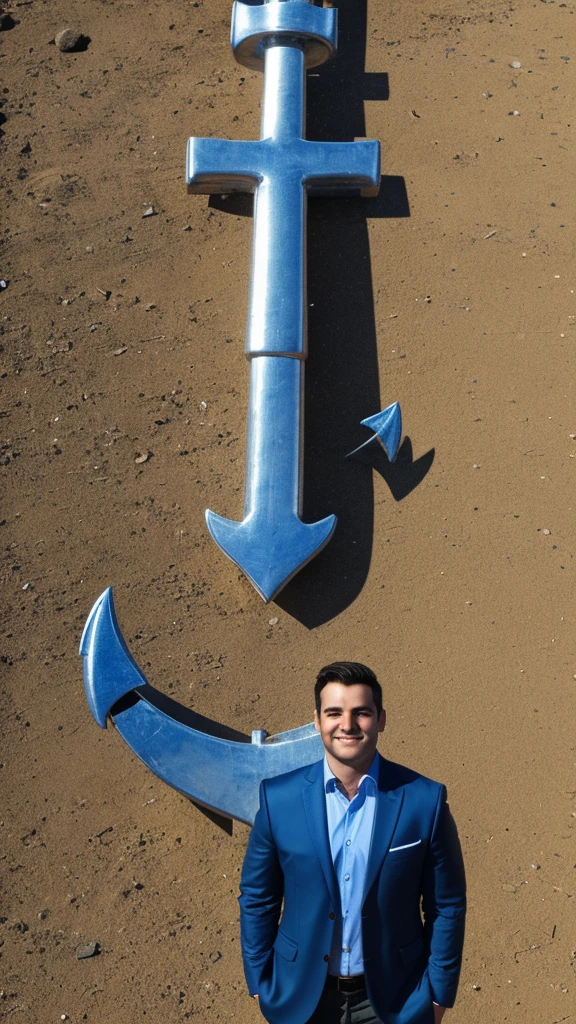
404,474
342,374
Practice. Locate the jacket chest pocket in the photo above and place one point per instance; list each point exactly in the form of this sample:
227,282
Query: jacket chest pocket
405,856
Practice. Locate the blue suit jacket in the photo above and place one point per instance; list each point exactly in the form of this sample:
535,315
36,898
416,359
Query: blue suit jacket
414,902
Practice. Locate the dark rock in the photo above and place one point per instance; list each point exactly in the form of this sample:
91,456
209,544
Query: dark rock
69,40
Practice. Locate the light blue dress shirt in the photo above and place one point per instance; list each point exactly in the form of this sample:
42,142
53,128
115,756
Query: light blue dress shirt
350,825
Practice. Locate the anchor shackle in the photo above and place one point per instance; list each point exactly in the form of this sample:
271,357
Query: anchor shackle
317,27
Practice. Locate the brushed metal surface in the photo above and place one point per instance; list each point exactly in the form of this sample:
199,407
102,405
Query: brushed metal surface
282,168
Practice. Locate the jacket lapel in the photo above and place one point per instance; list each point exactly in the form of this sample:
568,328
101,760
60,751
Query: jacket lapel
315,809
389,804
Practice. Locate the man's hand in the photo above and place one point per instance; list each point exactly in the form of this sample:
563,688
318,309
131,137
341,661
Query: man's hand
439,1012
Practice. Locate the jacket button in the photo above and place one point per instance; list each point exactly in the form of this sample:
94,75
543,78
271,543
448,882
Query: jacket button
326,957
332,915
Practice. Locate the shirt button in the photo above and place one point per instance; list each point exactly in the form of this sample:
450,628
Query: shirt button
346,878
326,957
348,842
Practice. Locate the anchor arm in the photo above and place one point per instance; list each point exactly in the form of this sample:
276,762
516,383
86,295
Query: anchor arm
192,754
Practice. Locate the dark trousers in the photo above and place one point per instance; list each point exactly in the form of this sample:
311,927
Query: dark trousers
340,1008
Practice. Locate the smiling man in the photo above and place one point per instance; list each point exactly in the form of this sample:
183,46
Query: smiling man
352,897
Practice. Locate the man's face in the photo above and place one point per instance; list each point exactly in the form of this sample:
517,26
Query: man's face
349,724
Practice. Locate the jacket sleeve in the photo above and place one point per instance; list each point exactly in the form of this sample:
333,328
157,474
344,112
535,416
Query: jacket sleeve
261,893
444,905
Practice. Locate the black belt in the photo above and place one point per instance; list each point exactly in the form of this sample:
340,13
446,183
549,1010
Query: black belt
353,983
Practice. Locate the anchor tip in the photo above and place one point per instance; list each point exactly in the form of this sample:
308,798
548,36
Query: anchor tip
109,669
105,598
270,554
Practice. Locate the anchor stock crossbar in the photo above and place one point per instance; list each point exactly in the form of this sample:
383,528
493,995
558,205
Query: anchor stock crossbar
282,37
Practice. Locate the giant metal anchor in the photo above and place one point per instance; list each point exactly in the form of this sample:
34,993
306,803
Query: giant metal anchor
283,37
213,765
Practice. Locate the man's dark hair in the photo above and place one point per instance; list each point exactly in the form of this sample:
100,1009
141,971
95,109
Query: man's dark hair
349,673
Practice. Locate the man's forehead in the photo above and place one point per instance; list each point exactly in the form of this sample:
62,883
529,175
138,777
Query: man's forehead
357,707
335,695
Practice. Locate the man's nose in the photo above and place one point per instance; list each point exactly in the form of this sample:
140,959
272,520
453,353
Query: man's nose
348,722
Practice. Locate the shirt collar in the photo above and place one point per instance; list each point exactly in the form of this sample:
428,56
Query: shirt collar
371,776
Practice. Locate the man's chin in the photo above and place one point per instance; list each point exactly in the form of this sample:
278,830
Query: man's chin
347,752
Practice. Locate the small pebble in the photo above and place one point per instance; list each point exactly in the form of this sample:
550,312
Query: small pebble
515,64
142,458
71,41
149,212
3,284
272,622
535,867
475,466
546,533
90,949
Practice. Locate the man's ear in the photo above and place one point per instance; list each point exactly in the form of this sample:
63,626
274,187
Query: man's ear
382,721
316,721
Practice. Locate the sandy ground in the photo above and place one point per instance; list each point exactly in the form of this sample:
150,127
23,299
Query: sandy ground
452,573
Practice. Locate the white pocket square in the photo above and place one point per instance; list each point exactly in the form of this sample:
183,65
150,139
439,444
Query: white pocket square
405,847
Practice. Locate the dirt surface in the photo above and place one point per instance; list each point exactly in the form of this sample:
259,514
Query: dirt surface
451,573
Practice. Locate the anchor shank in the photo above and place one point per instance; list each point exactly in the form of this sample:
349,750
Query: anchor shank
282,38
276,306
284,94
274,433
277,301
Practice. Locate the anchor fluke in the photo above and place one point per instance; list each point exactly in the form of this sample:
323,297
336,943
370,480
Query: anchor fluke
109,669
387,427
270,552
